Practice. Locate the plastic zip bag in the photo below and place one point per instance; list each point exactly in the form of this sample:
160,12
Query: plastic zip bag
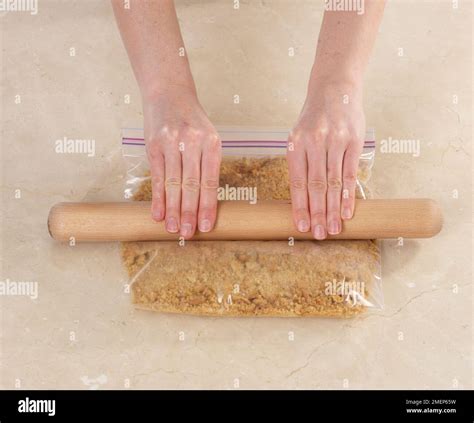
251,278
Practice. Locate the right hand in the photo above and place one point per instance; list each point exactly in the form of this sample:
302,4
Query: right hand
184,151
325,145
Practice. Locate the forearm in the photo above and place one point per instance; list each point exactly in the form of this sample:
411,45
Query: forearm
345,43
151,34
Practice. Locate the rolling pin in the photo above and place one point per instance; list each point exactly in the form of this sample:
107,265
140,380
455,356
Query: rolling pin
240,220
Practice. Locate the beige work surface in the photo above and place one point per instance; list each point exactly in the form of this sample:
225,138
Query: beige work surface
82,332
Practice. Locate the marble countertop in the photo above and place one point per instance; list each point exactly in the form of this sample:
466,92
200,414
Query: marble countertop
65,73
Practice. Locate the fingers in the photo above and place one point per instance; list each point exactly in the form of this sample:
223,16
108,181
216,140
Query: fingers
176,181
349,181
334,183
317,186
173,188
157,169
297,167
191,159
210,166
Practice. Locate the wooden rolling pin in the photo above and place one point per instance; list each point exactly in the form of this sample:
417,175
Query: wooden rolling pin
239,220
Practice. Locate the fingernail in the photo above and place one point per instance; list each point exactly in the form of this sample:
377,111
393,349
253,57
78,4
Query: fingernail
346,213
319,232
171,225
303,226
205,225
186,229
334,227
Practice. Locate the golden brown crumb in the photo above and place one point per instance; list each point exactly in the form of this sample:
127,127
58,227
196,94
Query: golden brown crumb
252,278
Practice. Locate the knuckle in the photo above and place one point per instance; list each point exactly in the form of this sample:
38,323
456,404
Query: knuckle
334,184
292,147
339,131
157,181
173,183
298,184
350,179
300,211
214,143
189,139
333,214
189,132
166,132
206,212
295,134
339,137
315,136
153,149
320,134
295,140
172,211
188,215
191,184
318,215
189,146
156,193
210,184
354,135
317,185
355,131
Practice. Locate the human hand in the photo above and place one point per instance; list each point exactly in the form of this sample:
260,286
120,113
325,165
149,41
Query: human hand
323,157
184,151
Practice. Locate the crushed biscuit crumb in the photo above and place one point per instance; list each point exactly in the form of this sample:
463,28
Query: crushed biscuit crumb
253,278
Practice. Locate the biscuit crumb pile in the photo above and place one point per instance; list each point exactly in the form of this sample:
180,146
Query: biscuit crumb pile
253,278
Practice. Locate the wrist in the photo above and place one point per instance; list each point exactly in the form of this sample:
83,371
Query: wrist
340,77
332,84
167,87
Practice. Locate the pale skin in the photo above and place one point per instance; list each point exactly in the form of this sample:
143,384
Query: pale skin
184,149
